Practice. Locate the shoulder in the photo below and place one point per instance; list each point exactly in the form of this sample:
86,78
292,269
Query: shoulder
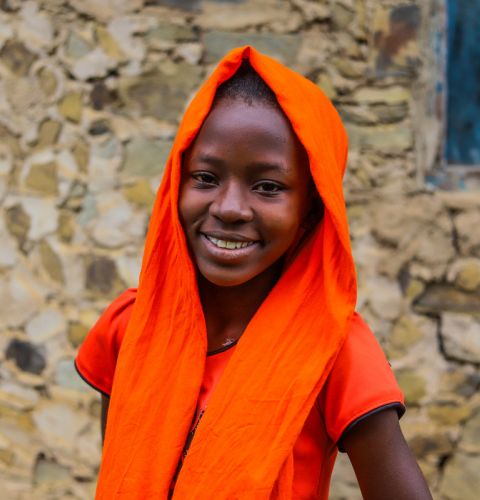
361,381
361,346
97,357
114,320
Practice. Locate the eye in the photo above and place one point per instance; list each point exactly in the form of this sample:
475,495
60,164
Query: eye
268,188
204,179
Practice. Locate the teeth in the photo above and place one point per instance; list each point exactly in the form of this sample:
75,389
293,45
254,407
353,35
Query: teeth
230,245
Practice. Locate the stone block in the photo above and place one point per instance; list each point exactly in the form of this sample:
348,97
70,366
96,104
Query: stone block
384,297
405,334
325,83
45,325
459,381
465,273
166,35
395,40
76,46
390,139
43,216
43,178
48,133
341,16
129,269
71,106
282,47
108,43
81,153
17,396
439,298
35,27
461,480
240,16
27,356
460,335
373,114
470,442
123,42
188,5
446,413
140,193
104,10
101,275
412,384
349,68
430,442
117,223
17,58
77,333
95,64
145,158
67,376
394,94
468,237
313,11
8,248
59,424
162,93
49,472
20,297
190,52
66,226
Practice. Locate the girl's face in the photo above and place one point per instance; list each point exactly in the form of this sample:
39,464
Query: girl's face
244,192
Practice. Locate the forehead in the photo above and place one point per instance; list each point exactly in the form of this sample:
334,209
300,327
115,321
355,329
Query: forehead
258,128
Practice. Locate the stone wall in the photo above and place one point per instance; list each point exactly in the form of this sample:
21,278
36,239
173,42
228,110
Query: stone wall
91,92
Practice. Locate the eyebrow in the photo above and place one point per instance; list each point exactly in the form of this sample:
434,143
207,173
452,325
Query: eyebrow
263,166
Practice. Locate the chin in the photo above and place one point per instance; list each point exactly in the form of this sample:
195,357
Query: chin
223,278
225,281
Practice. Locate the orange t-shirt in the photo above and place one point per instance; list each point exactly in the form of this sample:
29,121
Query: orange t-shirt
357,386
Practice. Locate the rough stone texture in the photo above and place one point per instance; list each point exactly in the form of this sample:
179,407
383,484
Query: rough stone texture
26,356
461,479
470,441
71,106
161,93
91,93
465,274
438,298
43,178
145,158
283,47
464,347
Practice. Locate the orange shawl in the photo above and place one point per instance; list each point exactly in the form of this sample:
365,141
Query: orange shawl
243,445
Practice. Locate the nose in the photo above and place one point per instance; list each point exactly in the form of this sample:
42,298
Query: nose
231,204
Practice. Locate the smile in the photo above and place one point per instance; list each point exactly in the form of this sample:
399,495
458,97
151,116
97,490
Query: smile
229,245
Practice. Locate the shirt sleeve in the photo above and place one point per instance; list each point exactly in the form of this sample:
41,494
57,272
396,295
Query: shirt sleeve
97,356
361,383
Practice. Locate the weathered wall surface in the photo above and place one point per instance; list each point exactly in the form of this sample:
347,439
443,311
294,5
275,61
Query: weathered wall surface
90,96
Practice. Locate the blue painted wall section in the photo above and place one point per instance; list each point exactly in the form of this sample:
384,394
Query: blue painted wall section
463,76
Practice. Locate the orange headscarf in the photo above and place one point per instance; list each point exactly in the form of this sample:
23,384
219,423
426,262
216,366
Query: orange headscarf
243,445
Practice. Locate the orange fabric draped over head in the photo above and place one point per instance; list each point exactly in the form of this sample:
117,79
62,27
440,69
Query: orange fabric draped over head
243,444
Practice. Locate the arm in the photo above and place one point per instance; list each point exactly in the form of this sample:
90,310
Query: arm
382,460
104,414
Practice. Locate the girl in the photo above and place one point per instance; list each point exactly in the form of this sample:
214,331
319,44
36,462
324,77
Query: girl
239,366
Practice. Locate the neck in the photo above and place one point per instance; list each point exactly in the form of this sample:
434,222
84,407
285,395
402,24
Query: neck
228,310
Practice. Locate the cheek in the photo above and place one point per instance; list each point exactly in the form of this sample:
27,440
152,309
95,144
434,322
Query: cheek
188,207
285,225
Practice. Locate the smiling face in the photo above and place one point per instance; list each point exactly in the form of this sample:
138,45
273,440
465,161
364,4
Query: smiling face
244,192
